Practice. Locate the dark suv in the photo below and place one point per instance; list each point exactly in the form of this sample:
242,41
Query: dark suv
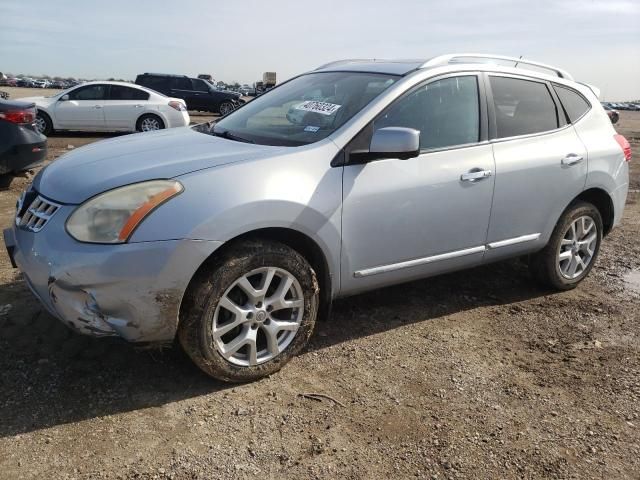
199,94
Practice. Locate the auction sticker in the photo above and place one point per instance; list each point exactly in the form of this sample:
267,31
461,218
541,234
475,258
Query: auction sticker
323,108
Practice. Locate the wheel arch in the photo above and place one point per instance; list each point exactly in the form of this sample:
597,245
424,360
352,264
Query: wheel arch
600,199
43,110
294,239
148,113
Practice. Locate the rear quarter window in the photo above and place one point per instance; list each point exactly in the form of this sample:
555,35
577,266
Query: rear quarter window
574,104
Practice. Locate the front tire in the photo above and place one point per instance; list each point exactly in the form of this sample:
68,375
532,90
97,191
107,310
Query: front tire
149,123
250,311
225,108
44,125
572,249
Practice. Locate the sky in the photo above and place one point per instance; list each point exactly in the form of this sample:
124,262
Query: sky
598,41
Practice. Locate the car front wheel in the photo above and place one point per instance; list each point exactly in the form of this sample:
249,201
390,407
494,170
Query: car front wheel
226,107
250,311
572,249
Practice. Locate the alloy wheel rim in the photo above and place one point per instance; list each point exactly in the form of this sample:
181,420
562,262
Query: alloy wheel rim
150,124
258,316
40,124
225,108
577,247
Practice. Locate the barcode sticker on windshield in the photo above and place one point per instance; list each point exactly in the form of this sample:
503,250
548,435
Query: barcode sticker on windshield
323,108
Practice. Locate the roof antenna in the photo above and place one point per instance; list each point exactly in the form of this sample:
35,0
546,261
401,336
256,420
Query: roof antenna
519,58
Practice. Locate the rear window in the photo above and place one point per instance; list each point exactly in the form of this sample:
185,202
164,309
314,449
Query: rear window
119,92
522,107
574,104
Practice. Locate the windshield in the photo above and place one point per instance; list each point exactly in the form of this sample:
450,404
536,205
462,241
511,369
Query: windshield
305,109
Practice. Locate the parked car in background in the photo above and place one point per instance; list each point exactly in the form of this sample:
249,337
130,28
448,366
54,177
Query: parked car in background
614,116
197,93
4,95
247,90
236,238
25,82
109,106
41,84
22,146
206,76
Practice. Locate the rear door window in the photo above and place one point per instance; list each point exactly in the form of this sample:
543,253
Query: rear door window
119,92
522,107
90,92
157,83
446,112
574,104
181,83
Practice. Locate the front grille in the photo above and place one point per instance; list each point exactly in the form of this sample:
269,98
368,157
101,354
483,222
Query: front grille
36,215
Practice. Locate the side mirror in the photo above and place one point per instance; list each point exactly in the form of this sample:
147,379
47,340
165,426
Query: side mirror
64,97
395,142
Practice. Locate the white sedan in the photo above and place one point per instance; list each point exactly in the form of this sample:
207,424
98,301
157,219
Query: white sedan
108,107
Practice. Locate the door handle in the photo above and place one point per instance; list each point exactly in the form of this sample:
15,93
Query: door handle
138,106
571,159
475,175
97,106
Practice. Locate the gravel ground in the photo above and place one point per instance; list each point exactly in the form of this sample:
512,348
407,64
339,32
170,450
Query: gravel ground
478,374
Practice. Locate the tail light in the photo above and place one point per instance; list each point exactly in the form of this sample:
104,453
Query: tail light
23,116
624,145
178,106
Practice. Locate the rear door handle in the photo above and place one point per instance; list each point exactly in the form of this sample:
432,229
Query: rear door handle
571,159
475,175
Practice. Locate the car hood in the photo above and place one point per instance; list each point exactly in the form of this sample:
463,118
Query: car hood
101,166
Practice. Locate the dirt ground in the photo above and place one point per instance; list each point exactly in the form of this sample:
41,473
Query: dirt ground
478,374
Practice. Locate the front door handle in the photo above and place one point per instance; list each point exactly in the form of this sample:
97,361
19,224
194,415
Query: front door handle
97,106
571,159
475,175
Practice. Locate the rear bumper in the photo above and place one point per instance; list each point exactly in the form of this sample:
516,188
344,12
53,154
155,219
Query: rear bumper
21,148
130,290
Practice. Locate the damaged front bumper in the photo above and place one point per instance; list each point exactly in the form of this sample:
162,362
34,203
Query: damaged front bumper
131,290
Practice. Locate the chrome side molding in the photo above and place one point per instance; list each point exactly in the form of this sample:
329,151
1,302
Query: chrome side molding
445,256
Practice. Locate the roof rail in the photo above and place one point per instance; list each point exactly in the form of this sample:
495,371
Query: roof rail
455,58
345,62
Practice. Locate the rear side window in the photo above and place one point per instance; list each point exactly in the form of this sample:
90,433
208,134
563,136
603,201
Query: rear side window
574,104
160,84
181,83
446,112
118,92
90,92
522,107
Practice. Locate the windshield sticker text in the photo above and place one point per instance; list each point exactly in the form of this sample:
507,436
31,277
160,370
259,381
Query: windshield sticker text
323,108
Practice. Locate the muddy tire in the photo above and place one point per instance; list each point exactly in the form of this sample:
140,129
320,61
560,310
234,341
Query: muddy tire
249,311
572,249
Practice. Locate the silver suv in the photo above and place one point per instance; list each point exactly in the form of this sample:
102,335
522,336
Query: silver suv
355,176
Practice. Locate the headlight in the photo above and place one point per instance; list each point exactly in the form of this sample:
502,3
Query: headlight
111,217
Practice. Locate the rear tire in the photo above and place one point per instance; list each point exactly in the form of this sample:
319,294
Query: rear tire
44,124
149,123
572,249
249,312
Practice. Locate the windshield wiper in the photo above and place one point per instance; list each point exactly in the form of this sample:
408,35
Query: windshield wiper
231,136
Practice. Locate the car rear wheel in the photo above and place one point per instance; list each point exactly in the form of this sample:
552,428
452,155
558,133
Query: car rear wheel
572,250
149,123
250,311
225,108
43,123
